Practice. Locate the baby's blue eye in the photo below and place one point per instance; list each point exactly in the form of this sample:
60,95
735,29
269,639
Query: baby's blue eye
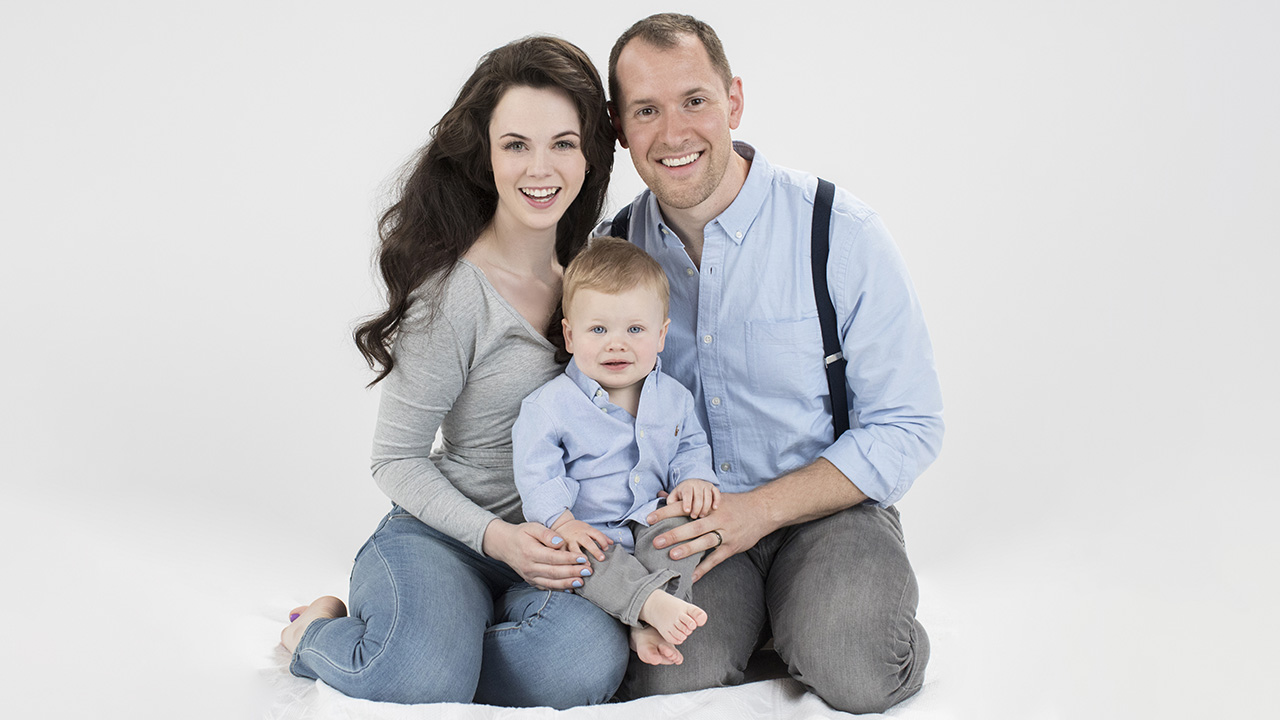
597,330
635,329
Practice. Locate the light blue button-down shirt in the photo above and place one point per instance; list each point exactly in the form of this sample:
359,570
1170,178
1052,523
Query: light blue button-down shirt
576,450
745,337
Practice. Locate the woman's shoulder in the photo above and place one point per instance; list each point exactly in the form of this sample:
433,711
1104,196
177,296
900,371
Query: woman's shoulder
457,294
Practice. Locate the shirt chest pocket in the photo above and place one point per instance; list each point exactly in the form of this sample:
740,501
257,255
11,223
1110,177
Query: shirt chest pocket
658,442
785,358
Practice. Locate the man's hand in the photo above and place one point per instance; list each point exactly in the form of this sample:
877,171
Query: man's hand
738,519
814,491
697,497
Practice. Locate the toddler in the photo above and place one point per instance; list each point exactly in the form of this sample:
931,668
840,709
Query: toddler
596,445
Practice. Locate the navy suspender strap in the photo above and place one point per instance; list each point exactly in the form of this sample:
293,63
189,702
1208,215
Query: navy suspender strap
832,356
621,224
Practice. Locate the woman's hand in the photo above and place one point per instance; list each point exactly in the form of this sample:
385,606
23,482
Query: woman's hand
537,554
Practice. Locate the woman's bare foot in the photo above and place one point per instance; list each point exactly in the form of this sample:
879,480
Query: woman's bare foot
652,649
671,616
324,607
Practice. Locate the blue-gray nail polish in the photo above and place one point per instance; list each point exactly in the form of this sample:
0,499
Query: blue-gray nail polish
582,560
568,590
576,583
586,572
556,541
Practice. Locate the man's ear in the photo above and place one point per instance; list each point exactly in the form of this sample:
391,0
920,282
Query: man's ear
568,336
616,119
735,103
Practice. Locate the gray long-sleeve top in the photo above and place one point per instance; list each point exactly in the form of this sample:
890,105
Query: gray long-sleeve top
463,370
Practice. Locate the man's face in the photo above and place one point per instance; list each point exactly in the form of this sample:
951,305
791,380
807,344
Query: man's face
675,117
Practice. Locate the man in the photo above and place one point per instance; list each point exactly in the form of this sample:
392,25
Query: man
805,544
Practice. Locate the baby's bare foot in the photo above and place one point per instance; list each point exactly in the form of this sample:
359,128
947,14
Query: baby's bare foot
672,617
652,649
301,616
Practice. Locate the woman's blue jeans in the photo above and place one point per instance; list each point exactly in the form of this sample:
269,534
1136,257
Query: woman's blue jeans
433,621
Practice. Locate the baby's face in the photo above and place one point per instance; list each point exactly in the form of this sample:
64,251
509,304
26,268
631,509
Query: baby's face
615,338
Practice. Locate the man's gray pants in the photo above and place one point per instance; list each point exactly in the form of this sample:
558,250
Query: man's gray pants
839,596
621,583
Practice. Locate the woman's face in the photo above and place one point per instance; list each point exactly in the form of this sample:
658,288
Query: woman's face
535,143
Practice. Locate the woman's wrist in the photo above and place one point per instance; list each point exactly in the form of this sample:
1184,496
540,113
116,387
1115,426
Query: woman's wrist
495,535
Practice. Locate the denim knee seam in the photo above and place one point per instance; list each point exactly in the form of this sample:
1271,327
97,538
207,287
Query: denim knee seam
395,620
546,601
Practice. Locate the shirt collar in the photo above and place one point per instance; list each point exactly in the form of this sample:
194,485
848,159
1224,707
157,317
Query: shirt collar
736,219
598,395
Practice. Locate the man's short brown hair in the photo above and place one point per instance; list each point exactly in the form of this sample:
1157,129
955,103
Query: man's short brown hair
664,31
611,265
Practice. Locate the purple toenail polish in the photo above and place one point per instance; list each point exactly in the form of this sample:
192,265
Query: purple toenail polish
293,616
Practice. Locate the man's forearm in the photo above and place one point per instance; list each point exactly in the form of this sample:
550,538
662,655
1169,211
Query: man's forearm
814,491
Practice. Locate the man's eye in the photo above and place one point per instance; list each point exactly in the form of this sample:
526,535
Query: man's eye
644,112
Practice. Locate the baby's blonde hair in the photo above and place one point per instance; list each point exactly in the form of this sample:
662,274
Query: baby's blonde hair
612,265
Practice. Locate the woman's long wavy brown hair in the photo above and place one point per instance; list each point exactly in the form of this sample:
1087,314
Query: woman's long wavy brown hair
448,196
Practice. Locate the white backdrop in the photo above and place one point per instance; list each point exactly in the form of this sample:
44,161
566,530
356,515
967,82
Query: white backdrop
1083,195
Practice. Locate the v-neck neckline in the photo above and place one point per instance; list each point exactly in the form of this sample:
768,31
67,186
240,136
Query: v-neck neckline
521,319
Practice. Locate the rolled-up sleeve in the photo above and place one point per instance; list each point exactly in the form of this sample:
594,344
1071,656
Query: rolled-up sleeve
896,400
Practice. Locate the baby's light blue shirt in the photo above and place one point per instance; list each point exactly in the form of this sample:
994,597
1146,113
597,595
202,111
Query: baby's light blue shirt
576,450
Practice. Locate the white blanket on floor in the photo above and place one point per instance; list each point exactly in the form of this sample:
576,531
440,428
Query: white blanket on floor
294,698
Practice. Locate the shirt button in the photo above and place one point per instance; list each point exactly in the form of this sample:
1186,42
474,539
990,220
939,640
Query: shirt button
724,467
635,479
738,234
715,401
599,392
641,433
706,339
688,271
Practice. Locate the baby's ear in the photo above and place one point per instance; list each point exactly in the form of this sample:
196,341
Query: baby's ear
662,336
568,335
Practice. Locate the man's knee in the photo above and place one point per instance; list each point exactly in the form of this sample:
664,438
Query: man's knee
706,672
866,677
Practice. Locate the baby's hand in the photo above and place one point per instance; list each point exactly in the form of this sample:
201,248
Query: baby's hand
696,497
581,537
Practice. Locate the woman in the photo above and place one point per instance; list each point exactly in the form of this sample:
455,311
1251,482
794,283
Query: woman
453,599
